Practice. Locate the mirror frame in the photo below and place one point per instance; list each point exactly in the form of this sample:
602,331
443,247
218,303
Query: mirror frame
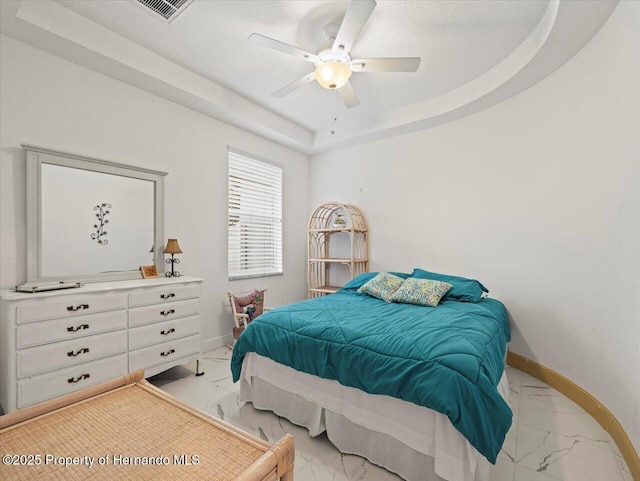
35,157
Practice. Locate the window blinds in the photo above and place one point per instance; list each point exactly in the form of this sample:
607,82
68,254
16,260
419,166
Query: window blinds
255,217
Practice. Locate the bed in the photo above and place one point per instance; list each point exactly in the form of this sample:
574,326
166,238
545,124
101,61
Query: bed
418,390
127,429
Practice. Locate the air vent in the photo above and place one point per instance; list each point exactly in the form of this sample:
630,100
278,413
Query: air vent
166,9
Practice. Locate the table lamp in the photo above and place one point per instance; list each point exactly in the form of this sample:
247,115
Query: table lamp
172,248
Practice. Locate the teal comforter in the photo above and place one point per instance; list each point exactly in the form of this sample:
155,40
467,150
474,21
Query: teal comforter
448,358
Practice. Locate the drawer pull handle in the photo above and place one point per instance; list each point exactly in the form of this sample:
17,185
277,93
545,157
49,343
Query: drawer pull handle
79,378
167,353
78,352
169,312
81,326
168,331
167,296
78,307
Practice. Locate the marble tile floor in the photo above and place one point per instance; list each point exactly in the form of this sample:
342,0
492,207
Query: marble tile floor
551,437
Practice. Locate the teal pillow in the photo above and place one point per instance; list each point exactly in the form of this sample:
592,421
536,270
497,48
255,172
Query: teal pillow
359,281
382,286
423,292
468,290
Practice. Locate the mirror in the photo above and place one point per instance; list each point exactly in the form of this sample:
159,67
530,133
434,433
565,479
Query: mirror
90,220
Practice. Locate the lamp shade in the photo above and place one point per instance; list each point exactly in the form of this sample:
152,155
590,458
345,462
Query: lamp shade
172,247
332,75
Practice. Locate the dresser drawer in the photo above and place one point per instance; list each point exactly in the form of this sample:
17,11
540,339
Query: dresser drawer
54,384
68,306
163,331
44,332
158,295
42,359
163,312
162,353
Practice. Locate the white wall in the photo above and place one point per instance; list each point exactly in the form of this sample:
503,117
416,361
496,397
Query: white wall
53,103
537,197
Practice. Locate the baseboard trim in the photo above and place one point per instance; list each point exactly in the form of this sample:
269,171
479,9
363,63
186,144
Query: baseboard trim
585,400
216,342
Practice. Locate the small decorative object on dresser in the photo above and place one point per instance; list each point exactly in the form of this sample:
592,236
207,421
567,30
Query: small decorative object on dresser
173,248
50,286
148,271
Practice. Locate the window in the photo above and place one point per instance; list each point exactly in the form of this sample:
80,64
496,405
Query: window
255,217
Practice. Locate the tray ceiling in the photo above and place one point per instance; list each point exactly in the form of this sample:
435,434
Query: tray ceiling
474,54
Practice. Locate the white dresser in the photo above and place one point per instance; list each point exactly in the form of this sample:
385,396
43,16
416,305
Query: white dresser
56,342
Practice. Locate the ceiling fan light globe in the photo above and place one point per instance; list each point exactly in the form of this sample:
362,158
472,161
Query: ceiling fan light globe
332,75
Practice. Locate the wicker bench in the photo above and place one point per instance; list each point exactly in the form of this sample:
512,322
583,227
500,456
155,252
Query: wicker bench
127,429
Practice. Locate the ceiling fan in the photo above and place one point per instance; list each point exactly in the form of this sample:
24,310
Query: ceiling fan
333,65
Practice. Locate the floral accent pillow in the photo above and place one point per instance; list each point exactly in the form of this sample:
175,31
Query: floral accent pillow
382,286
423,292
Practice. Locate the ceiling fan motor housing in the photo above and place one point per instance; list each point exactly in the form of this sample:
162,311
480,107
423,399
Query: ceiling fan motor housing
327,55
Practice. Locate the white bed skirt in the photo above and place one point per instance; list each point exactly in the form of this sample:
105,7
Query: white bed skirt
417,443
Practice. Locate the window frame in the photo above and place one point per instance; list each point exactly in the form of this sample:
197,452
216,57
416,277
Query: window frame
277,256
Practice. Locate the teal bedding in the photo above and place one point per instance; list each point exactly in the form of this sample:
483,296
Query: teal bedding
448,358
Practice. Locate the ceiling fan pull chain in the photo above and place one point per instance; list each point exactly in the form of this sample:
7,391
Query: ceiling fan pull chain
333,113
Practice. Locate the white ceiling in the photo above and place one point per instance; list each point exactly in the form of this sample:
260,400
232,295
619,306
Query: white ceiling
474,54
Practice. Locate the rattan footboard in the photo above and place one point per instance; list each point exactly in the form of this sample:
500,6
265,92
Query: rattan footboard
127,429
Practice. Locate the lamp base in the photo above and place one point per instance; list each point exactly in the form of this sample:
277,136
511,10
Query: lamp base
173,272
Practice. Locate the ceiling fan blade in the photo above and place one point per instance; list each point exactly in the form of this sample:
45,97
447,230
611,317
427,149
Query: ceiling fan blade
398,64
352,24
294,85
282,47
348,95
